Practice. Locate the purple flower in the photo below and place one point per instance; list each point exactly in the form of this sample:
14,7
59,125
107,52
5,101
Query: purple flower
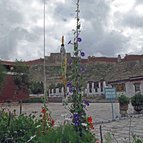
82,54
76,123
86,102
76,116
76,119
69,42
70,90
69,84
79,39
69,61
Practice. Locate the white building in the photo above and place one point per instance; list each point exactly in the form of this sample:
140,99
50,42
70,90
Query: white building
95,88
129,86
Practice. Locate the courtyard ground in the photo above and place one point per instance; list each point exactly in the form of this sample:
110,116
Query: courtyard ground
103,116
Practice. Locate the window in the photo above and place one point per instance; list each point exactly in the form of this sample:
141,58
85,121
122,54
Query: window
90,84
60,89
120,87
101,86
50,90
90,87
54,90
96,85
137,87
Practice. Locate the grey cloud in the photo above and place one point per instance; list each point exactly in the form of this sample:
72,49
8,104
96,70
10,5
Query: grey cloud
9,14
94,33
23,34
139,1
12,30
9,43
133,20
9,19
7,46
91,9
64,12
94,9
112,44
103,42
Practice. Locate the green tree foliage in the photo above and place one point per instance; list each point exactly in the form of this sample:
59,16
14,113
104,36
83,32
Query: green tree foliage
2,74
59,85
52,86
123,99
36,87
21,76
17,129
137,100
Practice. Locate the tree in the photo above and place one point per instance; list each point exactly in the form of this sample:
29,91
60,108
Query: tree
2,74
36,87
21,75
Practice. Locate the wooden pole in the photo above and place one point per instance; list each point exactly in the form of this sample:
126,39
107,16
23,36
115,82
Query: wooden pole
101,137
20,107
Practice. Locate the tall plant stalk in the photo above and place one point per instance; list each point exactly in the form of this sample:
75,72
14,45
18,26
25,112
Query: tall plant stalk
75,85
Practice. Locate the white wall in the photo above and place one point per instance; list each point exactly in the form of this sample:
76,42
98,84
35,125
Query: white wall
130,89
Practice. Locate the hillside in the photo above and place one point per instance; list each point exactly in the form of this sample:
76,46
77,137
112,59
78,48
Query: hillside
94,70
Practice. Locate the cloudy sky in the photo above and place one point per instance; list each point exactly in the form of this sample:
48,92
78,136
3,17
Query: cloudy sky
108,27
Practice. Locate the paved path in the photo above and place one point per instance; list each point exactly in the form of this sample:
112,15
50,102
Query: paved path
122,130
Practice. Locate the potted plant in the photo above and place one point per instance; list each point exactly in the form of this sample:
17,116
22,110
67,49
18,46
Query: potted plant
123,104
137,102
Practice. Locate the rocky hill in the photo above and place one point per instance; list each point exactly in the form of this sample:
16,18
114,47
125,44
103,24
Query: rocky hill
96,68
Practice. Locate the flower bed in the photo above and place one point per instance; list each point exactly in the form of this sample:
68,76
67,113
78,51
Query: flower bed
23,128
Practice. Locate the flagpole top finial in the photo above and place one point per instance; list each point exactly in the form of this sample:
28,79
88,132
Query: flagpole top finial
62,40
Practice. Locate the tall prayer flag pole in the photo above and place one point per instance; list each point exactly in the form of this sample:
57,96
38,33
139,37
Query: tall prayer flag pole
63,67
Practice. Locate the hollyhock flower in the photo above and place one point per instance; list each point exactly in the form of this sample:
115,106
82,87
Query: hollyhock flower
53,122
91,126
82,54
43,110
89,119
